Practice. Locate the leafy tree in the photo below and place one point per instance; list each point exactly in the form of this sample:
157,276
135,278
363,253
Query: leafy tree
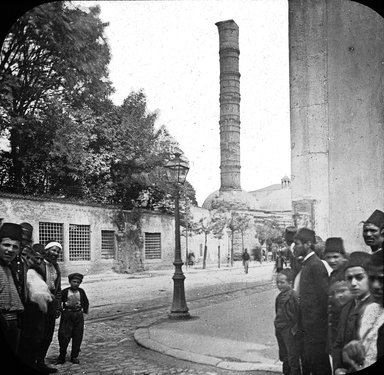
269,232
204,226
219,222
53,60
65,135
243,223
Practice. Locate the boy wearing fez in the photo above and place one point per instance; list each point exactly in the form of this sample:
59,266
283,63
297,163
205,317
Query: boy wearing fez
335,256
356,277
367,350
286,323
74,304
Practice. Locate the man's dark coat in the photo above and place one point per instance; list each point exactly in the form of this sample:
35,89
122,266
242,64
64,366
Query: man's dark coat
314,300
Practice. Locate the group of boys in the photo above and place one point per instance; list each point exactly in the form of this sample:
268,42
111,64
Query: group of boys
329,312
31,299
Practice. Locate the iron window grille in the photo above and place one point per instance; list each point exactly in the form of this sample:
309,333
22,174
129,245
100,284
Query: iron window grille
152,245
79,242
108,250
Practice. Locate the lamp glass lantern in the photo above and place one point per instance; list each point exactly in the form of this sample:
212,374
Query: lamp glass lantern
177,169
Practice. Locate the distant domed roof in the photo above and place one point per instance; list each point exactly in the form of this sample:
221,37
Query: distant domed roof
277,200
234,199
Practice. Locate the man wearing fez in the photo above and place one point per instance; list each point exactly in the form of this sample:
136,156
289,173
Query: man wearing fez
19,265
51,274
312,283
11,306
372,235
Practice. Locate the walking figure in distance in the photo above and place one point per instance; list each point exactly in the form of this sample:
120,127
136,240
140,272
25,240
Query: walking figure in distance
246,258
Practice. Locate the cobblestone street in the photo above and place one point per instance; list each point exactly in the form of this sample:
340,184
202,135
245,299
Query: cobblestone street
109,347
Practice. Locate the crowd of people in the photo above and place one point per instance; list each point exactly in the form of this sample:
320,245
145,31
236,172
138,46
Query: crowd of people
31,299
329,312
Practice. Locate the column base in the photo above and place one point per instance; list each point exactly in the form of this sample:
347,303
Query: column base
179,315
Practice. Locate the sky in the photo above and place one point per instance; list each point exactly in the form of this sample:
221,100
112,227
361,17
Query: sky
170,49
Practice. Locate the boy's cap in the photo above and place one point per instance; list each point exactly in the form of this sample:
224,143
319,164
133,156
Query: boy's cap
12,231
334,245
358,259
75,275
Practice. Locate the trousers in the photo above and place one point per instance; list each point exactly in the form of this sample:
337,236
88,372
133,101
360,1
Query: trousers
71,327
289,351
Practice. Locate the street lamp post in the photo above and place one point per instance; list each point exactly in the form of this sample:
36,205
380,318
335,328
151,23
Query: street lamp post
177,170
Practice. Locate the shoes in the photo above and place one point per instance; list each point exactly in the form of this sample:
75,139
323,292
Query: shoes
60,360
44,369
75,361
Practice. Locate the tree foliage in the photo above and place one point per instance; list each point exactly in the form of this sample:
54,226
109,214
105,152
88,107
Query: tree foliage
66,137
269,232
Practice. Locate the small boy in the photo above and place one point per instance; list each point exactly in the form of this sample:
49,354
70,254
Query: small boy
74,304
286,323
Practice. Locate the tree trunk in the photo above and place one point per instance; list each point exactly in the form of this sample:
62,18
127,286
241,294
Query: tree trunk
205,252
232,248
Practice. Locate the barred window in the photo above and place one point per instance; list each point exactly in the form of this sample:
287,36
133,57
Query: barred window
51,232
79,242
107,244
152,245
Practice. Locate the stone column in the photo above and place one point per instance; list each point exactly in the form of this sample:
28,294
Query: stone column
229,105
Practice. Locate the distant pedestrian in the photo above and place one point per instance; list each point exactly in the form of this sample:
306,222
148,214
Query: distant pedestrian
74,304
246,258
279,262
287,323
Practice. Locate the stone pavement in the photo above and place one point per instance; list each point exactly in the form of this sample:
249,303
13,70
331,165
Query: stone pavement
226,335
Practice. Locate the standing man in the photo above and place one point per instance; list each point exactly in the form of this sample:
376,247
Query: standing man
18,265
11,306
372,235
313,294
245,257
50,271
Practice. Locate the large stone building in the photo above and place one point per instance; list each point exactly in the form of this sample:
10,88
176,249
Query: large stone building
94,237
336,63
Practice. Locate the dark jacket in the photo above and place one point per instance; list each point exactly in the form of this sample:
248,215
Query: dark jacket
334,309
287,311
314,300
83,299
347,330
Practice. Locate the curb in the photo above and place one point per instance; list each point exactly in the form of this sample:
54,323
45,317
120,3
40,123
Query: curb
142,337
